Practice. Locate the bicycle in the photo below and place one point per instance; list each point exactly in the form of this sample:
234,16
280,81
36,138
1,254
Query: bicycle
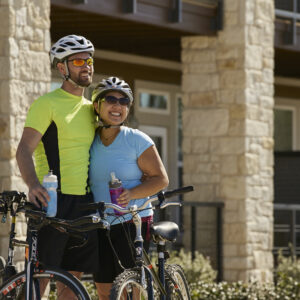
38,279
169,283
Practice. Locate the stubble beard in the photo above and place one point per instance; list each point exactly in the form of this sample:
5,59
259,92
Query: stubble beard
84,81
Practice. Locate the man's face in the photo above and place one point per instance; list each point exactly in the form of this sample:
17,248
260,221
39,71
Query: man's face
82,75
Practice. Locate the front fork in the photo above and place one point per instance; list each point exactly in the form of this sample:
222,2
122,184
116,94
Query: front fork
146,276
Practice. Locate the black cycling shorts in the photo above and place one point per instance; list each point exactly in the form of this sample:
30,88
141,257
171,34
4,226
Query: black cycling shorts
59,249
109,267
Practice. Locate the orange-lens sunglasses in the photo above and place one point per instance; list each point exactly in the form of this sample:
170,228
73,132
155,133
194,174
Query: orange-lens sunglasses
79,62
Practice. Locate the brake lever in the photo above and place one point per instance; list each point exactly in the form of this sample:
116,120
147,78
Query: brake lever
165,204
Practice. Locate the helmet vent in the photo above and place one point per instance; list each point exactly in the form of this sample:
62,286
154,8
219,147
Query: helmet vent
79,49
60,50
70,44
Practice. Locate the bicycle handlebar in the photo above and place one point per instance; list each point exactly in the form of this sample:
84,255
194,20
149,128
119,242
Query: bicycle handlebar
90,222
82,224
161,196
182,190
9,198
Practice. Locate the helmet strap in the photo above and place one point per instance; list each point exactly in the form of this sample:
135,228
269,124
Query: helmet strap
102,125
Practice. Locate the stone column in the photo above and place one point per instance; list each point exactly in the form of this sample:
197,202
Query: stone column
24,75
228,132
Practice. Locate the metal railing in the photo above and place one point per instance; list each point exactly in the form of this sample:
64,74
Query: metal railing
219,231
289,10
286,225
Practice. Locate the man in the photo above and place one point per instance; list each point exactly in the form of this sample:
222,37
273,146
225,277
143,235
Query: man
60,129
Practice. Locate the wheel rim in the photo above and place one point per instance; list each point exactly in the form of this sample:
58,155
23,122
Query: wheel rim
133,291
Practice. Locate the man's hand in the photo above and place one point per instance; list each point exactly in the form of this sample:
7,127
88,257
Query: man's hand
38,195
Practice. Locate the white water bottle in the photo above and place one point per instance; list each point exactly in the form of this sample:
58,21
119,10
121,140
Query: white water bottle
50,184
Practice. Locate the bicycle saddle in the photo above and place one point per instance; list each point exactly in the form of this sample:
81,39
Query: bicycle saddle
164,231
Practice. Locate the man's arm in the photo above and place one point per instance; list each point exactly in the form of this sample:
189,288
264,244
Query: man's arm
29,141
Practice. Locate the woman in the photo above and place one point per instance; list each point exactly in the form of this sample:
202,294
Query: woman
130,154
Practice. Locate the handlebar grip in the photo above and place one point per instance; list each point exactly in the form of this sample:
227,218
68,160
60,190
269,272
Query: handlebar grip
98,206
89,206
183,190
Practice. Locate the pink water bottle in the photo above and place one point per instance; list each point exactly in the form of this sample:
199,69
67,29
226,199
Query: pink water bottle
115,190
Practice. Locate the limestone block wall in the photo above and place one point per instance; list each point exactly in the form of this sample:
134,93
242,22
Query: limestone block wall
24,75
228,102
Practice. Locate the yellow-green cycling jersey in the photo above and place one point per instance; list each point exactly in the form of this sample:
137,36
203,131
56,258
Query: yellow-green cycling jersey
67,124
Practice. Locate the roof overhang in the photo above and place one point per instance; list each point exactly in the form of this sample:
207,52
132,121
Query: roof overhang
146,27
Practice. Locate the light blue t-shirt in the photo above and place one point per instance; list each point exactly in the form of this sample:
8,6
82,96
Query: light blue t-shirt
121,158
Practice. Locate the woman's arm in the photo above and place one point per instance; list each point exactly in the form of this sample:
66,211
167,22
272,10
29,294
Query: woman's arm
157,179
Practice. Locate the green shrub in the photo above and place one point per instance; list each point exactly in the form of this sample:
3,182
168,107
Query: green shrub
195,270
91,289
233,291
287,277
286,286
288,266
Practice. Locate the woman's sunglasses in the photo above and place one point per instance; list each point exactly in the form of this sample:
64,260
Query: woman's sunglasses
114,100
79,62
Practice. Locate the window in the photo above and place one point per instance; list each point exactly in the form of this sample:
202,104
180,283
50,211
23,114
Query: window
283,128
159,136
153,101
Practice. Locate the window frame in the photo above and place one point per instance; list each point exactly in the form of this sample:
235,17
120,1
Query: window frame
150,109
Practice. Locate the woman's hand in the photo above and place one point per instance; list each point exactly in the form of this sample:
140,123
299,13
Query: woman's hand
124,198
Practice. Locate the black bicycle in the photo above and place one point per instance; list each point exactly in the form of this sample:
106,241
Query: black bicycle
142,281
38,280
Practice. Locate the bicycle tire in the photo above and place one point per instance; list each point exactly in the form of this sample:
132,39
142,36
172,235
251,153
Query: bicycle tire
2,266
126,285
176,284
14,288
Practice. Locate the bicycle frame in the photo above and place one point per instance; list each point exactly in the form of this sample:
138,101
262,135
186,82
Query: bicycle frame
147,272
10,204
145,267
30,266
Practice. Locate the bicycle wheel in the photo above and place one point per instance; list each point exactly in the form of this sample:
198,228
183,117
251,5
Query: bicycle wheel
49,280
176,283
2,266
128,286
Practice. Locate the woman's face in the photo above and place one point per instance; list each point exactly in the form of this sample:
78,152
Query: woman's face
112,114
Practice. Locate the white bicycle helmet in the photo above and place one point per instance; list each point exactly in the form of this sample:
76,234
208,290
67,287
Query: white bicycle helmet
69,45
112,84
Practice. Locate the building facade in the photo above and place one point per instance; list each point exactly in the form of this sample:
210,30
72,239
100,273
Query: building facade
205,90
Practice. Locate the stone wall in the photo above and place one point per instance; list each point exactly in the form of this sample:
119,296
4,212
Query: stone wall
228,132
24,75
